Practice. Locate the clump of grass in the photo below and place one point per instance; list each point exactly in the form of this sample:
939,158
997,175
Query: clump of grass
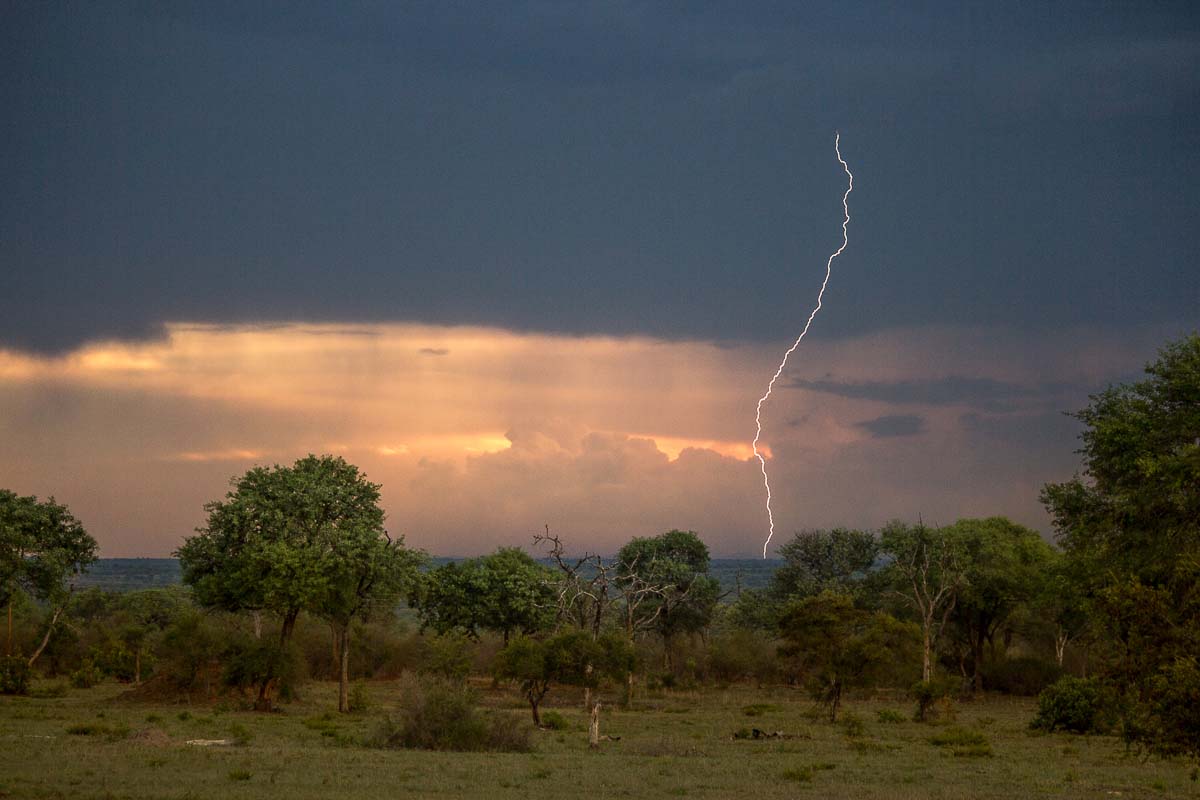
799,775
183,716
853,726
240,775
554,721
240,734
758,709
742,733
963,742
153,719
890,716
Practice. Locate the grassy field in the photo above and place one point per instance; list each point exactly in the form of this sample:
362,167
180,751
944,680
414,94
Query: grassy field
92,744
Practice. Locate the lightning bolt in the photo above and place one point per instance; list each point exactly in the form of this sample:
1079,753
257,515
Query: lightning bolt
762,462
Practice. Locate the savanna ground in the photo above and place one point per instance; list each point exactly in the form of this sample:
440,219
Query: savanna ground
91,743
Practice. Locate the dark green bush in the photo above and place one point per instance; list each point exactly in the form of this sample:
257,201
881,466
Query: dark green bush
1069,704
1025,676
14,675
554,721
927,694
441,715
87,676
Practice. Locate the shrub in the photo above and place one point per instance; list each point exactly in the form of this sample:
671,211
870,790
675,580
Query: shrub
440,715
1069,704
248,662
928,694
1024,676
739,655
360,701
447,655
14,675
889,716
87,676
552,720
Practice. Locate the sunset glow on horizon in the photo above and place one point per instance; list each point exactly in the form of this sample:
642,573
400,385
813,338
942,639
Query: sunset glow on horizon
482,435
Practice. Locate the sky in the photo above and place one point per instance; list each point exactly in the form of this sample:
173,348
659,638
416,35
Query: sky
533,263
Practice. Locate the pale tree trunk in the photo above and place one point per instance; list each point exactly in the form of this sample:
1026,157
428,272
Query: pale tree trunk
256,615
344,670
587,690
46,639
927,652
1060,646
629,688
594,727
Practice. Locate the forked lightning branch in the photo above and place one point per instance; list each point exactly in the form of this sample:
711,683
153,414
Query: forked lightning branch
762,462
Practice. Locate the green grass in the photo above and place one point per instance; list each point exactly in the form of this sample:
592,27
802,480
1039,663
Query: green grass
672,744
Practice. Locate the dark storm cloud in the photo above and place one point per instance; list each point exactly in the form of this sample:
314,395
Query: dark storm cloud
893,425
594,167
983,393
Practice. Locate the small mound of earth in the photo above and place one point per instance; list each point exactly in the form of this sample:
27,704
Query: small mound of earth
154,737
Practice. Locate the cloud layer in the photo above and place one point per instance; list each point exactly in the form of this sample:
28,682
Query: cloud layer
481,436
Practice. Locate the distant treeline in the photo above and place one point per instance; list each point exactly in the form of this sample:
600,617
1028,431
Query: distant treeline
135,574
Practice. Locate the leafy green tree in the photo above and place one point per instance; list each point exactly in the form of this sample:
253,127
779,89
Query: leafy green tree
269,545
841,646
926,572
1004,567
43,548
815,561
676,564
1132,524
365,571
507,592
572,658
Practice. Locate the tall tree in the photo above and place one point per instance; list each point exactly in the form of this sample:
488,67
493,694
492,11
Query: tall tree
841,646
266,546
43,548
1132,523
365,571
507,592
676,562
1004,567
927,573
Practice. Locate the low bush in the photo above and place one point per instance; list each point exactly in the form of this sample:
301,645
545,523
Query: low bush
14,675
890,716
360,699
1025,676
1069,704
440,715
554,721
87,676
928,694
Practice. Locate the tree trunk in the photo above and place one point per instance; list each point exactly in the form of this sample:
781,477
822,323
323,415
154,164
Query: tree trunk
629,689
267,689
344,670
256,615
137,666
1060,646
977,644
587,690
8,649
533,706
46,639
926,652
594,727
